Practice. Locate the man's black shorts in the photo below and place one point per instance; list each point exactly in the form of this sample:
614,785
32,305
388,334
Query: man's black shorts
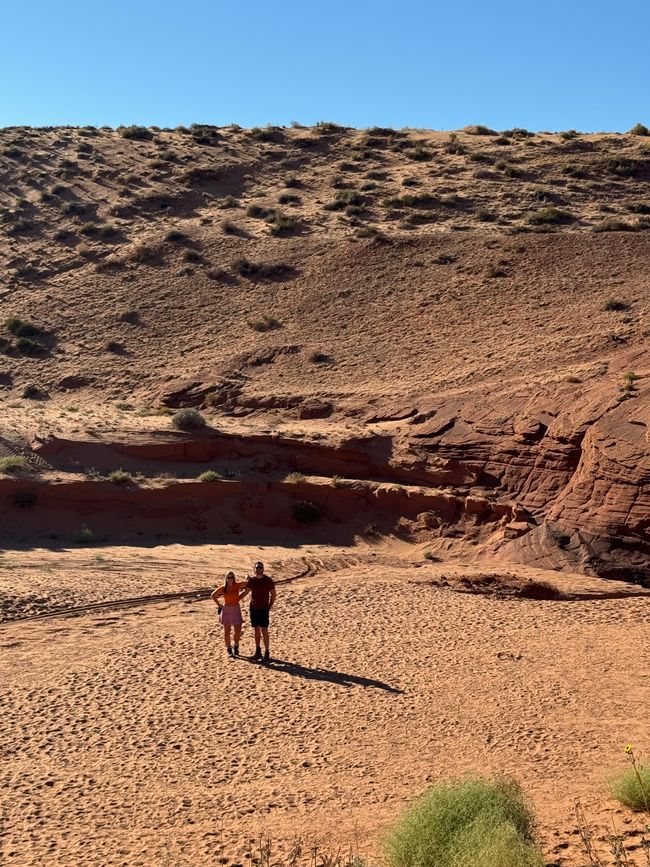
260,617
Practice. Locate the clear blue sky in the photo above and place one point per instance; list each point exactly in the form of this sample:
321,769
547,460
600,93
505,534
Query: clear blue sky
540,64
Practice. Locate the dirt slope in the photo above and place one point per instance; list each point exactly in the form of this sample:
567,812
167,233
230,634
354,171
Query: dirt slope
465,314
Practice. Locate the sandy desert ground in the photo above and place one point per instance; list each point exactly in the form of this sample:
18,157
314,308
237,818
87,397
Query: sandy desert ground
129,738
437,340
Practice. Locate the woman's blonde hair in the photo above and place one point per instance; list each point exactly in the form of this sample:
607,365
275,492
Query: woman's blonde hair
229,574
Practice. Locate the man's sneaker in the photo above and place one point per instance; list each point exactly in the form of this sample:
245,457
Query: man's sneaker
258,653
267,656
236,651
230,653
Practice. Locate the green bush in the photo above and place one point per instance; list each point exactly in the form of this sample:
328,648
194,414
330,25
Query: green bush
266,323
12,463
210,476
639,129
187,419
21,328
550,216
627,788
343,199
29,347
282,224
85,535
469,823
136,133
120,477
306,512
615,304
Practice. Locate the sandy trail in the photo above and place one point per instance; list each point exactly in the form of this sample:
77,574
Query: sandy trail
128,737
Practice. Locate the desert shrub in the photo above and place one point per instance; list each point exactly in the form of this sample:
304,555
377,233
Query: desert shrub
12,464
187,419
292,181
83,250
282,224
32,392
229,202
191,256
289,199
469,823
632,788
85,535
5,345
319,357
621,167
135,133
228,227
569,134
412,200
204,133
484,216
245,268
266,323
411,182
295,478
306,512
431,557
615,304
258,212
328,127
210,476
21,328
551,217
29,347
25,499
517,132
261,134
201,175
338,482
419,153
343,199
629,380
143,254
479,129
130,316
639,129
639,208
176,237
120,477
613,225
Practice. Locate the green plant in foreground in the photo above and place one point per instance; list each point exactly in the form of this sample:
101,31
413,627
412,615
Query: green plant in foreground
12,463
466,823
85,535
632,786
295,478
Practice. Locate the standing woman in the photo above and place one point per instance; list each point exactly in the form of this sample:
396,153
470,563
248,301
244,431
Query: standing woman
229,610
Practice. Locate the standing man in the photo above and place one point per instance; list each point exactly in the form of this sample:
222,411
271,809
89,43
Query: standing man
262,590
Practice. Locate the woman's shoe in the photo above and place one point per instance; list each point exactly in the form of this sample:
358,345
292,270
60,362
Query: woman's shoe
236,653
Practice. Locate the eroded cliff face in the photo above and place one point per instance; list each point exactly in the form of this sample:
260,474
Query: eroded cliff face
575,470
